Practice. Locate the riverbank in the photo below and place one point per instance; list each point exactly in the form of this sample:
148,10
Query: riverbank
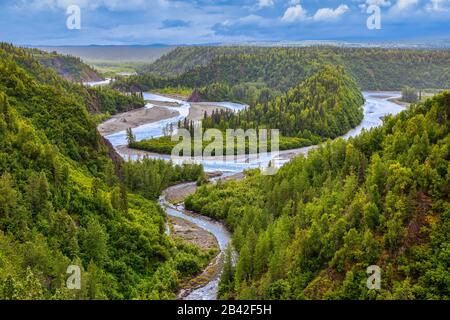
154,111
205,285
400,102
174,96
191,233
186,231
210,274
135,118
197,110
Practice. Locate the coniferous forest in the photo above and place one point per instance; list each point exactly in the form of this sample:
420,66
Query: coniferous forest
308,232
325,105
64,201
245,73
224,159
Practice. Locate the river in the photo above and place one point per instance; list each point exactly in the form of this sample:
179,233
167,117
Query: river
220,232
377,106
98,83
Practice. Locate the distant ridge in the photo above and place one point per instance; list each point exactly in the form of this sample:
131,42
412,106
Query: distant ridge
426,44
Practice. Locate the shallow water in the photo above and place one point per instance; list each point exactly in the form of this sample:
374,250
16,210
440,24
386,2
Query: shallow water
216,228
220,232
98,83
377,106
154,129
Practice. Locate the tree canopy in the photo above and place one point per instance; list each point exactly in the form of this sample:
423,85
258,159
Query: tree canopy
311,231
63,201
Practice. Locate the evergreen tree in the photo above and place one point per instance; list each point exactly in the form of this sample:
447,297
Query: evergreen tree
131,138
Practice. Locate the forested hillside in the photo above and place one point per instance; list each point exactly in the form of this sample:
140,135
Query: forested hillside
183,59
311,231
98,99
68,67
278,68
326,105
61,202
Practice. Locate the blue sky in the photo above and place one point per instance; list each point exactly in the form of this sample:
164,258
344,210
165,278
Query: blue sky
43,22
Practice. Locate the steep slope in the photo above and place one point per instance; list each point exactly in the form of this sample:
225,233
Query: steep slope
311,231
98,100
66,66
61,203
325,105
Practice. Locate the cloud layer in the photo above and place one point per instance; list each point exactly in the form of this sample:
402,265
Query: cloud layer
206,21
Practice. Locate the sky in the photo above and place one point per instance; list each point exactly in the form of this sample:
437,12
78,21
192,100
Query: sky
126,22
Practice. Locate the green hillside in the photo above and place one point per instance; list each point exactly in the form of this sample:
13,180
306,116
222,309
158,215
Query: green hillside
326,105
311,231
99,100
63,201
279,68
66,66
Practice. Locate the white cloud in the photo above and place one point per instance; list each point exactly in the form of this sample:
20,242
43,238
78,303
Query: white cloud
264,3
295,13
438,6
251,19
327,14
112,5
404,5
379,3
298,13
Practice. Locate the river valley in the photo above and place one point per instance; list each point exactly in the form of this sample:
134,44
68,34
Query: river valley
377,106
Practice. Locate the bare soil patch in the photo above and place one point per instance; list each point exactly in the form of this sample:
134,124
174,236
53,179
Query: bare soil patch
190,232
135,118
177,194
197,110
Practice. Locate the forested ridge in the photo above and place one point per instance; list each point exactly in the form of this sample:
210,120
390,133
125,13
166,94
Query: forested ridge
62,203
99,100
182,59
311,231
66,66
242,72
372,68
325,105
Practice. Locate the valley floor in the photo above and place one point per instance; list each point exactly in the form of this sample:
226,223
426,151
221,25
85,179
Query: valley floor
196,233
135,118
154,111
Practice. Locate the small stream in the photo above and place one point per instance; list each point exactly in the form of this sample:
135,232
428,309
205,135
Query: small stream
216,228
377,106
220,232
